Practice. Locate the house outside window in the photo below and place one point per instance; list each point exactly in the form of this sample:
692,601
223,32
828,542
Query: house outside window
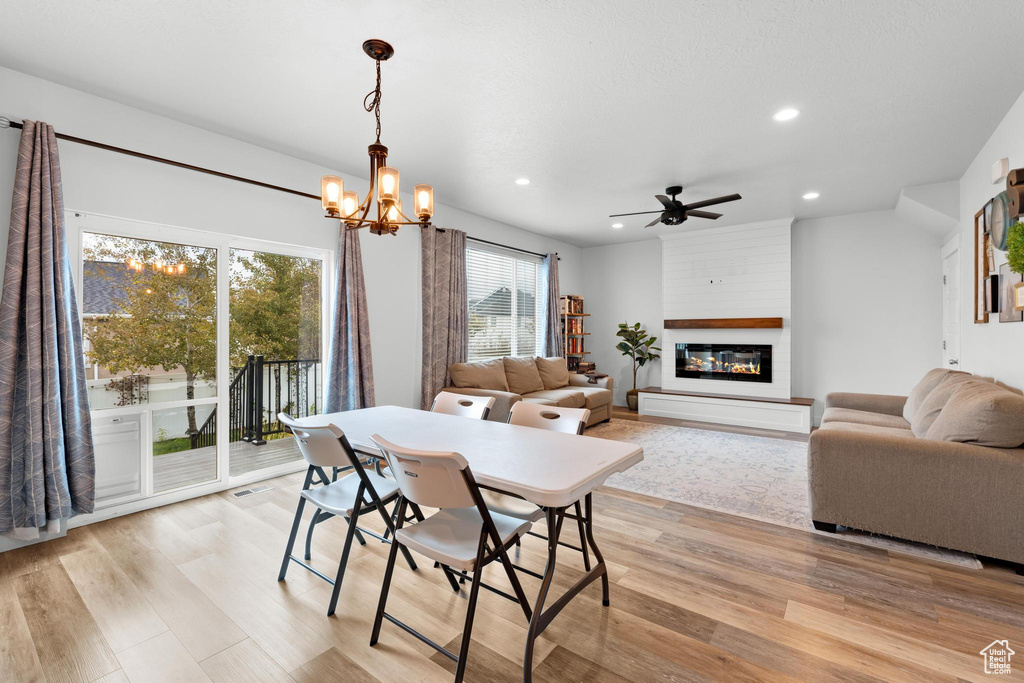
503,290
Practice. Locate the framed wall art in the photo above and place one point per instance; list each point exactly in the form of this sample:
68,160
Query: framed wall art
981,269
1008,280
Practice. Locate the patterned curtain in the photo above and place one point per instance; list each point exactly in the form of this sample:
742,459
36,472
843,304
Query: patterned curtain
349,363
47,467
445,307
550,313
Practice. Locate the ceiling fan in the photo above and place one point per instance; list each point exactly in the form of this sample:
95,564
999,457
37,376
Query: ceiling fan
675,212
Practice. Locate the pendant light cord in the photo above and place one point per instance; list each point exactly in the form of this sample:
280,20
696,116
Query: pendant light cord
372,101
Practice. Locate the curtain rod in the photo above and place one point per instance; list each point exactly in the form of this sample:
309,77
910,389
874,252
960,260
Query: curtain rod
7,123
505,246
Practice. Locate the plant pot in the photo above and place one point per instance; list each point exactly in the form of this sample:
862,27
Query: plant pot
632,396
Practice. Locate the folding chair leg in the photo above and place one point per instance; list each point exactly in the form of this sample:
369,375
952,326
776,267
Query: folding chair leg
474,592
385,588
291,538
583,537
451,577
344,554
309,535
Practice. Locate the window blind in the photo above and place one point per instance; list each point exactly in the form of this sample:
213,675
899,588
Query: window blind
503,293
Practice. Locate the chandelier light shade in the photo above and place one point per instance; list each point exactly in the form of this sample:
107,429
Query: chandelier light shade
387,184
331,190
349,203
395,212
424,201
384,194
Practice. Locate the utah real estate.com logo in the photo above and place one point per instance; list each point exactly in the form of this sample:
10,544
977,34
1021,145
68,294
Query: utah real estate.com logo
997,657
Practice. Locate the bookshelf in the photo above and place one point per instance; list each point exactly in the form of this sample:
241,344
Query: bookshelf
574,333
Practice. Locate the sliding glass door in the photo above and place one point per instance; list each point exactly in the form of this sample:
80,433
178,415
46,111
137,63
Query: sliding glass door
275,343
194,343
149,314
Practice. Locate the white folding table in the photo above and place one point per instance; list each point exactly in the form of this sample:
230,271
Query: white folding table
550,469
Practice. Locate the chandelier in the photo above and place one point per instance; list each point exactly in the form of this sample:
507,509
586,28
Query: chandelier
384,194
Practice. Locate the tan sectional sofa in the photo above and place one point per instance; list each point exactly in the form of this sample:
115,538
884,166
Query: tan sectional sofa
537,380
943,466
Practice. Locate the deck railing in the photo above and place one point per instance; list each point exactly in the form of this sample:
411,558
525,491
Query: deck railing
263,388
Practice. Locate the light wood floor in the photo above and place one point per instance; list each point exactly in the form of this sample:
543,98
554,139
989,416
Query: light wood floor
188,592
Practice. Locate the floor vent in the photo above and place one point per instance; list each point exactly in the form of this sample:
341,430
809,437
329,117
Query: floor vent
249,492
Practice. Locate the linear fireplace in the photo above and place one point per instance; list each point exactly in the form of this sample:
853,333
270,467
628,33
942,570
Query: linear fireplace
732,362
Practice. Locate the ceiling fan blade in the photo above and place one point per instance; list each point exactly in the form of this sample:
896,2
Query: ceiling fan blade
637,213
669,204
704,214
716,200
654,222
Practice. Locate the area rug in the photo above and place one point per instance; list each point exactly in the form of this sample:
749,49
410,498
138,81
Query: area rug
757,477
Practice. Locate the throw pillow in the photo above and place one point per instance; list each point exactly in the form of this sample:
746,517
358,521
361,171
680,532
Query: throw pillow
488,374
936,400
553,372
523,376
981,413
920,392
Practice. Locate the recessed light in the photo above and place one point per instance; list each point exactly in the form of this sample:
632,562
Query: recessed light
616,225
786,114
811,195
522,181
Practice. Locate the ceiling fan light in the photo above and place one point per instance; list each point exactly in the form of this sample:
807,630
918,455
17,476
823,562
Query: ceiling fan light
331,189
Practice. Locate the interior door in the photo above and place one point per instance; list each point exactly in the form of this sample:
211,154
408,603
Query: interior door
951,308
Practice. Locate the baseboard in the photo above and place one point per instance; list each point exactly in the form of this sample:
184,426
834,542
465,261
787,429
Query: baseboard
741,413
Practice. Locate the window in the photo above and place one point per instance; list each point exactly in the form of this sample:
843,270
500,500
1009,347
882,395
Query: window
503,311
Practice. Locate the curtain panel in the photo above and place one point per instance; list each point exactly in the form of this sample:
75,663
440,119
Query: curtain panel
47,466
349,362
554,344
445,307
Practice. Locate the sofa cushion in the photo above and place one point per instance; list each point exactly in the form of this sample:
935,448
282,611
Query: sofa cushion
895,432
595,397
566,398
981,413
553,372
864,417
523,376
486,374
920,392
934,402
540,401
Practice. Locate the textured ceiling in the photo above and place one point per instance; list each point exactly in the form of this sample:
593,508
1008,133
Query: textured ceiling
601,104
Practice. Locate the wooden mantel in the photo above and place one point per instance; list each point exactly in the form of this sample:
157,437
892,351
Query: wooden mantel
724,323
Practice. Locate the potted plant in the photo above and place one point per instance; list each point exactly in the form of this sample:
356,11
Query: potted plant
640,347
1015,247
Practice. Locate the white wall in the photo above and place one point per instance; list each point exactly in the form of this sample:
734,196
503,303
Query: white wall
622,282
737,271
867,305
102,182
992,349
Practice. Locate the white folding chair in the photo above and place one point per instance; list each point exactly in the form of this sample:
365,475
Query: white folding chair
463,536
353,495
556,419
463,405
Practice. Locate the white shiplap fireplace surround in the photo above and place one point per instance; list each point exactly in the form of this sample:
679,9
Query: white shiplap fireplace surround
740,271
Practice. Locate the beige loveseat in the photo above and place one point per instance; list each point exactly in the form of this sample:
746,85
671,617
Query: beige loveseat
942,466
537,380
